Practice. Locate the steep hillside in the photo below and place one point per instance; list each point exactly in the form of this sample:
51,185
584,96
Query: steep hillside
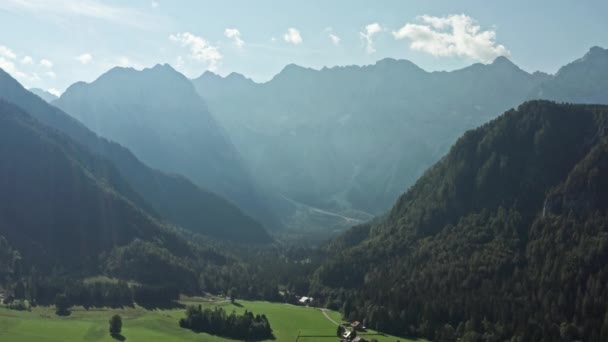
506,236
173,197
60,205
158,115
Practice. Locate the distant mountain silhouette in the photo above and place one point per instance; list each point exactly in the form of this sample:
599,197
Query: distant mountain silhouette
158,115
43,94
356,137
173,197
583,81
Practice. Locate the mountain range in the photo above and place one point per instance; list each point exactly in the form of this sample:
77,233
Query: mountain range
157,114
502,233
350,140
172,197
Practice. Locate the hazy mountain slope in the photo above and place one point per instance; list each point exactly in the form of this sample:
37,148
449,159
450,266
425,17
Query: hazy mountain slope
583,81
158,115
356,137
173,197
510,228
61,205
43,94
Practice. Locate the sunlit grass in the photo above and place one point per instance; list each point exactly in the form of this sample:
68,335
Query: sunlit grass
41,324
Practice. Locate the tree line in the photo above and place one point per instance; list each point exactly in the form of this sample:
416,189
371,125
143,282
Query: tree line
216,322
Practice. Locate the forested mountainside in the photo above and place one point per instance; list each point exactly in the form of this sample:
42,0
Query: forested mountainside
173,197
354,138
507,235
67,215
158,115
62,206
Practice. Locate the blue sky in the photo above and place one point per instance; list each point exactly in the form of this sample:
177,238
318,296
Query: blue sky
52,44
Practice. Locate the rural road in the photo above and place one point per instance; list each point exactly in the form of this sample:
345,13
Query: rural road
324,311
324,212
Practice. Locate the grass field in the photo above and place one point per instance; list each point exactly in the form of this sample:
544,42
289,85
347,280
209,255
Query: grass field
41,324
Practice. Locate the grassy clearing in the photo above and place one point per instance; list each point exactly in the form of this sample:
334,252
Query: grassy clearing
41,324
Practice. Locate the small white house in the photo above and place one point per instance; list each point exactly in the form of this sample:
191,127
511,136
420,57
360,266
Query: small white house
305,300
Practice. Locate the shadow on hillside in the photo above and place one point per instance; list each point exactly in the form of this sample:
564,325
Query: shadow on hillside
237,304
162,305
118,337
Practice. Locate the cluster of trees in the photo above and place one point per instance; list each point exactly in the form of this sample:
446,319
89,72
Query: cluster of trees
505,238
275,274
216,322
63,292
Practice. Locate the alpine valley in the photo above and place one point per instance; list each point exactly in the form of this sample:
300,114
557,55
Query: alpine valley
383,200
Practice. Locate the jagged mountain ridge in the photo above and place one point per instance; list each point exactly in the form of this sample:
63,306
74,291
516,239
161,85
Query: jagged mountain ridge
338,135
158,115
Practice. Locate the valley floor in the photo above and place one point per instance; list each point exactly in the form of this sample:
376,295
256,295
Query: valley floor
287,321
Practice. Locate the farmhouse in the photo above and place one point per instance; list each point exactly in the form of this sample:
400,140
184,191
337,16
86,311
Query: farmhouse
349,338
347,335
305,300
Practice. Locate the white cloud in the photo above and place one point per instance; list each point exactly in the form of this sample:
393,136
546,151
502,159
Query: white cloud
51,74
368,36
54,91
453,35
154,4
7,65
6,52
10,67
126,62
334,39
293,36
27,60
235,35
46,63
85,58
273,39
200,49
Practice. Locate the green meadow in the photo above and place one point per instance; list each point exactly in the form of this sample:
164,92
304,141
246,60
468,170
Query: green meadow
41,324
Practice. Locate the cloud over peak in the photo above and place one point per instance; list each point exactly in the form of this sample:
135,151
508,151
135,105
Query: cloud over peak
293,36
199,49
452,35
54,91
